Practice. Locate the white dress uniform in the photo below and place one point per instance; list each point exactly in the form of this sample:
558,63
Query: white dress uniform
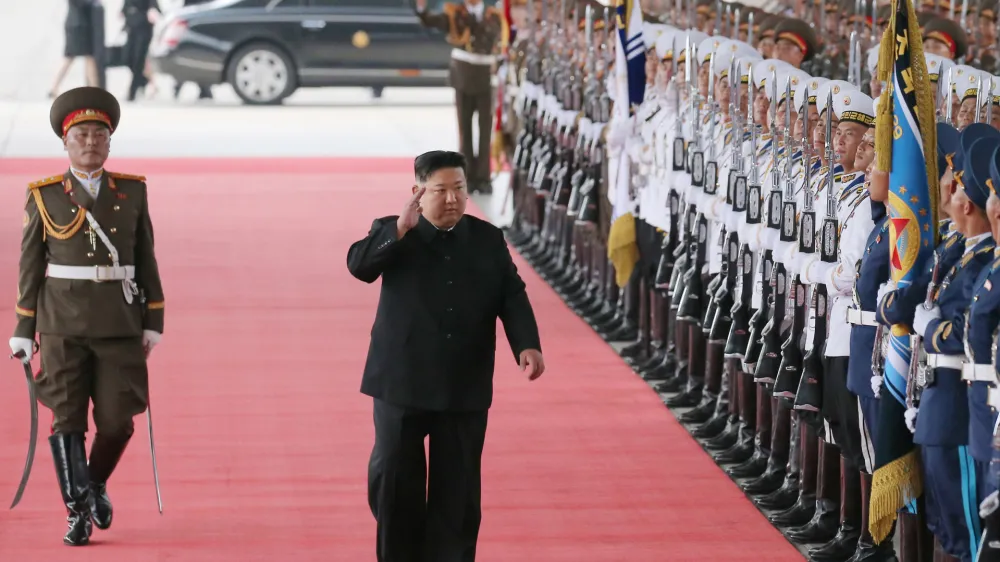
854,216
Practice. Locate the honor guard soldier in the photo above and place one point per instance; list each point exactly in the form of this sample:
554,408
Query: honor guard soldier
982,320
855,115
942,426
89,286
473,30
866,341
897,306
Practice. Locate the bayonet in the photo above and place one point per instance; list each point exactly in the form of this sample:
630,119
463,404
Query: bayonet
807,222
753,196
989,100
774,198
788,206
828,252
749,29
948,98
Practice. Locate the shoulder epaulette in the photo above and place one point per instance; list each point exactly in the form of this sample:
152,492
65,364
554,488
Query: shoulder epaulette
132,177
46,181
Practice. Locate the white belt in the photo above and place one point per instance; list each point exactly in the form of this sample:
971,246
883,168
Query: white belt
940,361
861,317
92,272
978,372
472,58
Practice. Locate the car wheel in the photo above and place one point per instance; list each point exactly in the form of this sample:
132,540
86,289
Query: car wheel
261,74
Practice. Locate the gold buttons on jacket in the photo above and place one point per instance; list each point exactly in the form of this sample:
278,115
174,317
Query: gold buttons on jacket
117,208
90,254
113,230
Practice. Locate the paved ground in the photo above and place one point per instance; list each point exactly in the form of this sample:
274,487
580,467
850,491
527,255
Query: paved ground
320,122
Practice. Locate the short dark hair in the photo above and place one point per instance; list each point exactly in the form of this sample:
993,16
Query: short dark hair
427,163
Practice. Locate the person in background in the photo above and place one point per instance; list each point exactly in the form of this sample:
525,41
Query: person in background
79,43
474,30
139,15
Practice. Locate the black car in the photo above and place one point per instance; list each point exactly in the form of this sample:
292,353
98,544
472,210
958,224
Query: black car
266,49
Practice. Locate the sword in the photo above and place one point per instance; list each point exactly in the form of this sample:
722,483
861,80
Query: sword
152,452
33,436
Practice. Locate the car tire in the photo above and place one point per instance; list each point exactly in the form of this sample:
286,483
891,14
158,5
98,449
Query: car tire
261,74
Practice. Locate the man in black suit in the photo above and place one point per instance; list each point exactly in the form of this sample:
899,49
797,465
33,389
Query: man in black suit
446,278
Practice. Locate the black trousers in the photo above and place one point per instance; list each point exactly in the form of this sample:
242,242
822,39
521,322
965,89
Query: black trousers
426,517
136,49
840,408
479,105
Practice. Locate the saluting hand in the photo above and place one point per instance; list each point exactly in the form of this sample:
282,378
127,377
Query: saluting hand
532,363
410,215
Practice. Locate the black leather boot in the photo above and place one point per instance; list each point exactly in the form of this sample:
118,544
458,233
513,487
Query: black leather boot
788,493
104,457
69,454
725,419
823,525
757,463
782,436
845,542
867,550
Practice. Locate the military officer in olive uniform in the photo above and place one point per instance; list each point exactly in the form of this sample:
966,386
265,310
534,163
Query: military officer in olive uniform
90,288
474,30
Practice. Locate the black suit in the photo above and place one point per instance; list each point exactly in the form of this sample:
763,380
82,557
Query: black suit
430,371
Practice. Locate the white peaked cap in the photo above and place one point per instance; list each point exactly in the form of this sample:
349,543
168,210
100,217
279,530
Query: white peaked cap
813,83
725,53
836,86
707,46
765,69
854,106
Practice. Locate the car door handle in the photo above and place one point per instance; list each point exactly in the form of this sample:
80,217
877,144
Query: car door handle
313,24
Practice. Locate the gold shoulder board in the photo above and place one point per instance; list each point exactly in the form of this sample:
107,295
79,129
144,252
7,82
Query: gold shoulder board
46,181
132,177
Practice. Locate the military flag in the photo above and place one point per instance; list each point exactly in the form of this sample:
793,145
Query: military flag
905,146
630,74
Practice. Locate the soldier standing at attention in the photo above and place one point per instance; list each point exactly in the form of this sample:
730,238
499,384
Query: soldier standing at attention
474,30
90,287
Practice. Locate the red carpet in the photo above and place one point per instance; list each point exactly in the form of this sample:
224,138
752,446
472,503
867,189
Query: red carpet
262,435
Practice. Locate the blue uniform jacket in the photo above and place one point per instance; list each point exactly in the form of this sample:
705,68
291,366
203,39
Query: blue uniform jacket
982,319
897,307
873,272
944,405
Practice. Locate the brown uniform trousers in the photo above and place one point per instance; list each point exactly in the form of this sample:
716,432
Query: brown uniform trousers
472,82
90,337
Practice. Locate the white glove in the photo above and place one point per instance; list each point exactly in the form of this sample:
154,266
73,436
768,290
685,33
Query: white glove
989,505
910,416
150,339
876,384
25,345
922,317
883,290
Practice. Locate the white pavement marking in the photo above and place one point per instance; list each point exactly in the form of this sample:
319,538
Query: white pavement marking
330,122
